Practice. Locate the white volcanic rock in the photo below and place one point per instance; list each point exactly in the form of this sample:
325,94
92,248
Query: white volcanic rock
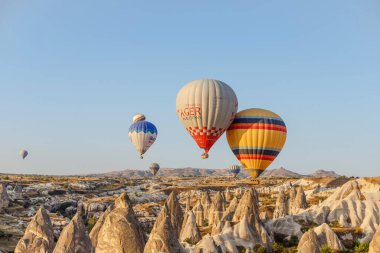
327,236
374,246
175,213
229,213
98,225
38,236
207,245
199,214
163,236
206,201
309,243
286,226
281,208
298,201
250,228
228,195
188,201
74,238
190,232
4,198
121,231
350,208
217,209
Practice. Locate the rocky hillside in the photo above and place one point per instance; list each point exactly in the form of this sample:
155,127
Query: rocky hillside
197,172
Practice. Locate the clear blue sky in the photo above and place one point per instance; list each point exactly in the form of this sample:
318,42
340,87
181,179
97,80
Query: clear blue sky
73,73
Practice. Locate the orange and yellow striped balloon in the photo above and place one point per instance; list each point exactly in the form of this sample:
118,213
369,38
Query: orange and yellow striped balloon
256,137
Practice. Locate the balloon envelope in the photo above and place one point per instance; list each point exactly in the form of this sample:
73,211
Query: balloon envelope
23,153
154,168
256,137
206,108
142,134
234,170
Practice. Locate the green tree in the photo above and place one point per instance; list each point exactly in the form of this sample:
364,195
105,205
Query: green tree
326,249
362,248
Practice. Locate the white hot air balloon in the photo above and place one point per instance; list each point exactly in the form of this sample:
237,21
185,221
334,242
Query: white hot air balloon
23,153
206,108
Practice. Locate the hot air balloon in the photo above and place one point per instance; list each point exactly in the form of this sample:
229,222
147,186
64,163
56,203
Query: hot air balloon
234,170
206,108
142,134
256,137
154,167
23,153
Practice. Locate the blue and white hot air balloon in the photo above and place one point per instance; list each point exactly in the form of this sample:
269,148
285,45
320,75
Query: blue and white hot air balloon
142,134
234,170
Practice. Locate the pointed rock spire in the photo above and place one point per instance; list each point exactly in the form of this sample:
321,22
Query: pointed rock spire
250,227
228,195
163,236
199,214
309,243
217,209
121,231
327,236
229,213
207,245
74,238
188,203
206,201
175,212
281,208
297,200
4,198
38,236
190,232
98,225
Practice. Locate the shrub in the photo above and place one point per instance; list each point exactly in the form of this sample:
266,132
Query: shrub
277,248
262,249
362,248
91,223
326,249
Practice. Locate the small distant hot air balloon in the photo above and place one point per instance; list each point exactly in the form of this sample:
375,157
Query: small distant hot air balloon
142,134
206,108
256,137
154,167
23,153
234,170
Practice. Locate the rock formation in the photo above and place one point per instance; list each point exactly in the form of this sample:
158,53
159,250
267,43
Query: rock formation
315,238
229,213
188,203
121,231
38,236
281,206
98,225
199,214
228,195
217,209
74,237
327,236
175,212
207,245
190,232
348,206
250,227
297,201
163,235
309,243
4,198
374,246
206,201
